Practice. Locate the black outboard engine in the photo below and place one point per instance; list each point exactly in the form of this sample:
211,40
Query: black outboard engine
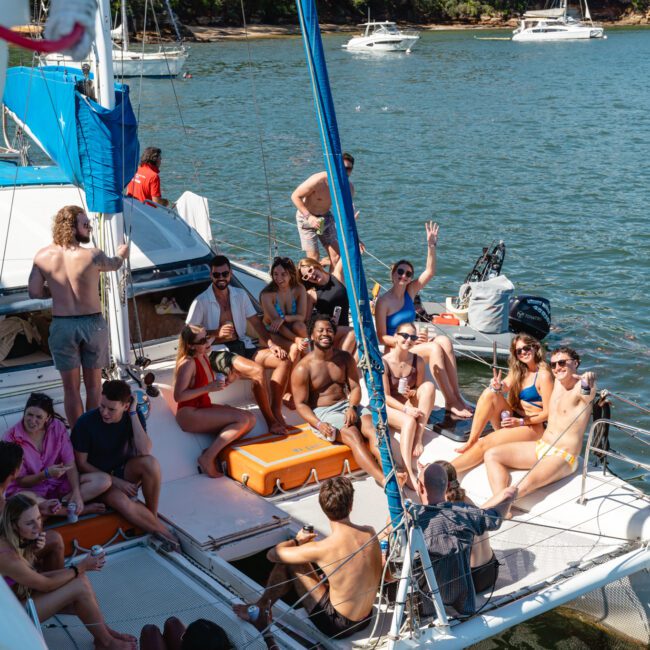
530,315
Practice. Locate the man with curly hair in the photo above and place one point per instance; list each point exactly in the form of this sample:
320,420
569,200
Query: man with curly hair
145,185
68,272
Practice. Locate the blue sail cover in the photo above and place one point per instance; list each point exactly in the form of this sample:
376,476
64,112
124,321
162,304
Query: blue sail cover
346,230
96,148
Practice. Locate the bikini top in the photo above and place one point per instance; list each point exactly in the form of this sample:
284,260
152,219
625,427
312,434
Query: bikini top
531,395
406,314
294,307
200,379
411,379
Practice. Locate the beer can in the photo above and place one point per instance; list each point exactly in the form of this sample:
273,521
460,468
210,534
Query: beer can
336,314
96,550
253,613
308,528
584,387
72,512
504,415
403,385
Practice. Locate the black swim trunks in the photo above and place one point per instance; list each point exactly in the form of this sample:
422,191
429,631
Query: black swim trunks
485,576
330,622
222,360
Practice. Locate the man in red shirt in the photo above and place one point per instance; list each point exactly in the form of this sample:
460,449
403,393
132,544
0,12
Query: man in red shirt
145,185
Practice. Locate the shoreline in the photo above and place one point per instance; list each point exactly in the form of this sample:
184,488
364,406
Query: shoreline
210,34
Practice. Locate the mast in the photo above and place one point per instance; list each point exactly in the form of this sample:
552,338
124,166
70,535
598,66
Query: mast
113,224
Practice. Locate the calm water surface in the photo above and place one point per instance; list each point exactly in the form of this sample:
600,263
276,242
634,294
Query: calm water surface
543,146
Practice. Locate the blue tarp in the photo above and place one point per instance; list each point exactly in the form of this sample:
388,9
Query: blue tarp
346,230
95,148
11,175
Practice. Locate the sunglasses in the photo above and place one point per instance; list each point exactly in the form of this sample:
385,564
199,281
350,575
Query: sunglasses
202,341
406,337
560,364
408,273
220,274
524,349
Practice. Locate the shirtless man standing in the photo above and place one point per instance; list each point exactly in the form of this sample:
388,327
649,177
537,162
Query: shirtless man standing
313,203
350,559
69,274
326,392
555,455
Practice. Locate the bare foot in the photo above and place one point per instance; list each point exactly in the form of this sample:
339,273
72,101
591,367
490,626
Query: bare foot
121,635
402,477
418,448
287,400
278,428
94,509
209,466
116,644
167,537
461,411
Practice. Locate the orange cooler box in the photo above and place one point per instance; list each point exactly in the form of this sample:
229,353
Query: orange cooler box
259,462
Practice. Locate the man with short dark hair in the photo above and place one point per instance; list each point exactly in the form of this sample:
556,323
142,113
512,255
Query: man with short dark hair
449,530
51,556
555,455
145,185
350,558
113,439
224,311
69,273
314,218
327,395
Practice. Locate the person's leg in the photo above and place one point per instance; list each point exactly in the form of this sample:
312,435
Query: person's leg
78,597
499,460
488,409
92,485
407,426
351,436
173,632
344,339
255,372
72,403
52,556
450,370
279,379
93,384
550,469
227,422
425,398
308,237
145,471
152,639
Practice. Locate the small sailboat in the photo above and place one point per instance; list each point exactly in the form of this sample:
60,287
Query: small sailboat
557,24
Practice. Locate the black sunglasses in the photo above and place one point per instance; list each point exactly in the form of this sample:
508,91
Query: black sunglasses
202,341
561,363
406,272
524,349
220,274
406,337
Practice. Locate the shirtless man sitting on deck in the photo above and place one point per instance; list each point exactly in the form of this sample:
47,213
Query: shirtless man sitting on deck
350,558
555,455
326,392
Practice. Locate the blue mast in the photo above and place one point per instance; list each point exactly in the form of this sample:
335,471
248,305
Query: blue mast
346,230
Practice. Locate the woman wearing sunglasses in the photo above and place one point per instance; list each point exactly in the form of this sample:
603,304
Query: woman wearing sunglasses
284,301
194,380
409,398
396,306
524,394
326,294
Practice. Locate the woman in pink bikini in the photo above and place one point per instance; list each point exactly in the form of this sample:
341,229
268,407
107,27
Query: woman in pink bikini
194,381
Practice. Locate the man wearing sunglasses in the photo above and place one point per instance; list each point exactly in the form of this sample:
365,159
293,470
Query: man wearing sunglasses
314,217
555,455
224,311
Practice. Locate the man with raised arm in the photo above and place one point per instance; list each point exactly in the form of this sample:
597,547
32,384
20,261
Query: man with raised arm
224,311
555,455
327,394
69,273
314,213
350,559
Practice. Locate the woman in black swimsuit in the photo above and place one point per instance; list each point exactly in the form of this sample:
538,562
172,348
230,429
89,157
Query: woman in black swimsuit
408,410
326,292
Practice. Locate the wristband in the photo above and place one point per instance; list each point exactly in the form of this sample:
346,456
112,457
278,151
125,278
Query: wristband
494,390
133,412
295,539
46,473
318,424
75,569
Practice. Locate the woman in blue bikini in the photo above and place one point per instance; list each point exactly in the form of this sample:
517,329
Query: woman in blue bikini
396,307
284,301
524,393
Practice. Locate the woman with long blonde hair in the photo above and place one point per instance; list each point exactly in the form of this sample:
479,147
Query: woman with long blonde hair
194,380
53,592
524,394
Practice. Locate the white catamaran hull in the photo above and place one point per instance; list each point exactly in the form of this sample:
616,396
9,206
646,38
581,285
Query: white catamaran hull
558,33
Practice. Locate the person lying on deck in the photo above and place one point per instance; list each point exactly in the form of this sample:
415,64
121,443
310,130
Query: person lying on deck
225,312
409,409
337,577
396,306
48,469
194,380
555,455
528,387
201,634
113,439
50,556
61,591
326,392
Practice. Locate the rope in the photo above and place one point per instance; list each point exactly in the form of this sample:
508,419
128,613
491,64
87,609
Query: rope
627,401
252,232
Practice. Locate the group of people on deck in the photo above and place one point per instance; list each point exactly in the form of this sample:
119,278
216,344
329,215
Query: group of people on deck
303,360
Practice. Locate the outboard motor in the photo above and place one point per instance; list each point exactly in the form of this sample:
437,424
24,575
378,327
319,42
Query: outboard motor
530,315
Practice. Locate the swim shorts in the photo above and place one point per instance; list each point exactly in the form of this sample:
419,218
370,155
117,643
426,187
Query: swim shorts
222,360
79,342
544,449
334,414
485,576
309,237
330,622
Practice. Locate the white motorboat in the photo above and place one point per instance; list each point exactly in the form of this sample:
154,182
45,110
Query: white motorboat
382,36
555,24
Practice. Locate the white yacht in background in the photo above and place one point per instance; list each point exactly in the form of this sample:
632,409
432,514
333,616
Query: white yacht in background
382,36
555,24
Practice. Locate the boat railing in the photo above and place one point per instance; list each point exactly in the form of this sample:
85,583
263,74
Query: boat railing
605,453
